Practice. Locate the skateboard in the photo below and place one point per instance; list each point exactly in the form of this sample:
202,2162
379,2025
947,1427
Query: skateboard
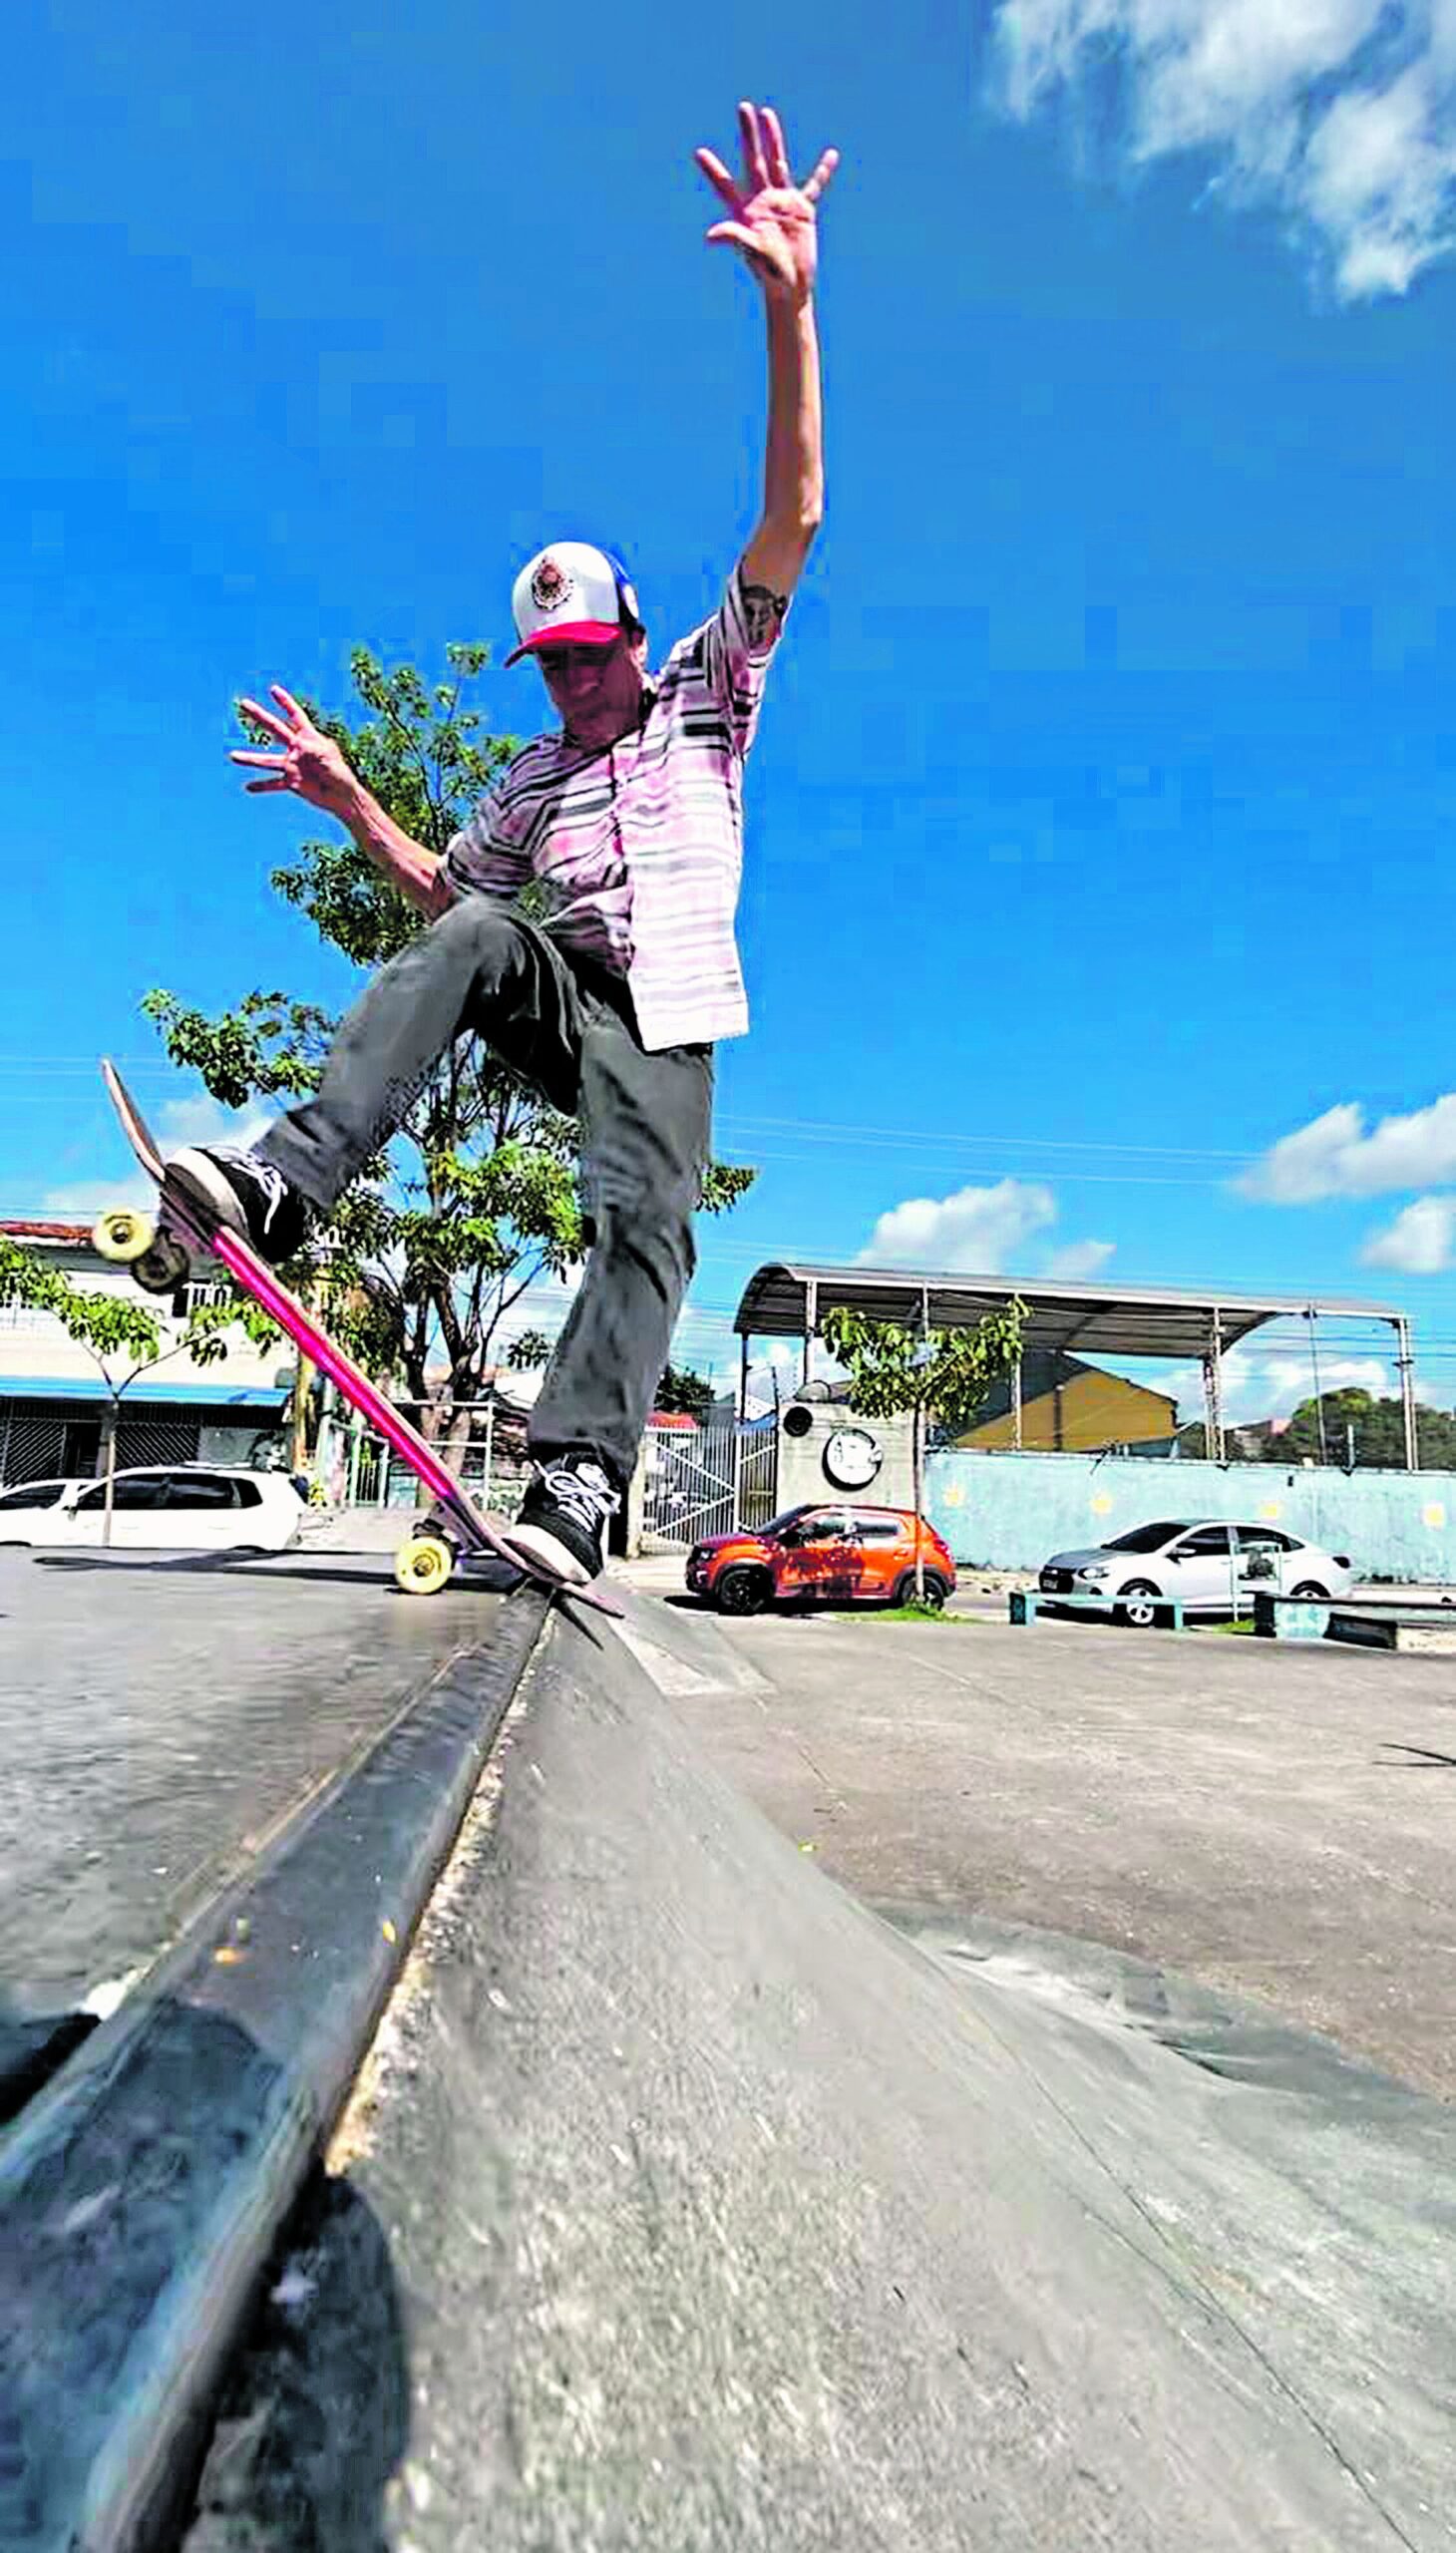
159,1249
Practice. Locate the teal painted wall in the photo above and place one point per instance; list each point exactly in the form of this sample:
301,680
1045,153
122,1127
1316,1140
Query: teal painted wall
1012,1511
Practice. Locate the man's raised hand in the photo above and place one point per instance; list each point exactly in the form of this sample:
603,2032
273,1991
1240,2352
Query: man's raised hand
310,763
772,222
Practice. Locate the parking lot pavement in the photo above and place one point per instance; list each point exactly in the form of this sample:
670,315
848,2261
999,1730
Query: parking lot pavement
1275,1822
159,1717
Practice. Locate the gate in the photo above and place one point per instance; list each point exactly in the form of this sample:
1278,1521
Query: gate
758,1475
708,1479
359,1469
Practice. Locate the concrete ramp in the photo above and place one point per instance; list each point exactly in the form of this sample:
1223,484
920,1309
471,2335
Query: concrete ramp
718,2213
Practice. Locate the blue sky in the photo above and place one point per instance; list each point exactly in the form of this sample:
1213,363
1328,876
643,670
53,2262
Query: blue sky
1098,826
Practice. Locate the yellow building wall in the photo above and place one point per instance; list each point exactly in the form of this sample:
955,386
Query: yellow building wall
1096,1410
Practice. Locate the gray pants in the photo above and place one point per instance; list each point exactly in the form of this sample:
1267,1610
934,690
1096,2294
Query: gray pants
645,1129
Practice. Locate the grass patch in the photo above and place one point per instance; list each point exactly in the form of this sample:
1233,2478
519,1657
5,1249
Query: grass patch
900,1613
1231,1631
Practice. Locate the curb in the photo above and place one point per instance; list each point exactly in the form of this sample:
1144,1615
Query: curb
142,2192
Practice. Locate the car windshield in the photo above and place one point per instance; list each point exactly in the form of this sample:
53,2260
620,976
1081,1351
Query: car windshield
1144,1538
780,1524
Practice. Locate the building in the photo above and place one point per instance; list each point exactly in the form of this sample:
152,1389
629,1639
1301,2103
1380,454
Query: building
1071,1408
55,1394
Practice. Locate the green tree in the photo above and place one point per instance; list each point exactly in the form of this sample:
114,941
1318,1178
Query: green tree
116,1327
1373,1429
1336,1426
895,1371
682,1389
477,1200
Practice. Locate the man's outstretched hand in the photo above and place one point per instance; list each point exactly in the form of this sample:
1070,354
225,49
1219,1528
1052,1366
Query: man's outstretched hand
310,763
772,222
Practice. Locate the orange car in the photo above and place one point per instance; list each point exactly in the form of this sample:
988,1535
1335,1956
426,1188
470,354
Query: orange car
840,1555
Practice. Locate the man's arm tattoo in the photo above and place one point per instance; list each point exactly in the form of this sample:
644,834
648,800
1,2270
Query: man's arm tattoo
763,613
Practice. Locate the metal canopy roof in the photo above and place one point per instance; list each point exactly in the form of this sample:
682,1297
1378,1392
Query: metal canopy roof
176,1395
788,1303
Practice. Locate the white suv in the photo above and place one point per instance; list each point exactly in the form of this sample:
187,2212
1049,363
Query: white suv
158,1507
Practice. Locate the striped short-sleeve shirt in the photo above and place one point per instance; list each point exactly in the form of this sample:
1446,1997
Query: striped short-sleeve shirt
640,845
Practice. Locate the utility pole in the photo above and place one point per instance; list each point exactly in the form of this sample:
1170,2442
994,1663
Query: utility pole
1311,1316
1405,1363
303,1388
1213,1389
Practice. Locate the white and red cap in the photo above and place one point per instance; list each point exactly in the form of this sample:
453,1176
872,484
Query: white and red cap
571,596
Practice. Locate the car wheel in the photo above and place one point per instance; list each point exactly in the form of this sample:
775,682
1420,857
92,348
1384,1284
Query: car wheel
935,1590
1309,1592
1138,1603
742,1591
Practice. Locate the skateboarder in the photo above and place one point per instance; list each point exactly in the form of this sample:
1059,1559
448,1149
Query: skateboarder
631,815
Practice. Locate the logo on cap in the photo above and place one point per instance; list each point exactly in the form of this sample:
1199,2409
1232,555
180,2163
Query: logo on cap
550,587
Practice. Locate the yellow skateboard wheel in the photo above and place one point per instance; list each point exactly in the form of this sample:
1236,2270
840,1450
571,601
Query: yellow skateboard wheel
423,1564
123,1234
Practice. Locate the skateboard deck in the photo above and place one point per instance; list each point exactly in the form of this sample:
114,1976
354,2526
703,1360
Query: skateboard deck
123,1235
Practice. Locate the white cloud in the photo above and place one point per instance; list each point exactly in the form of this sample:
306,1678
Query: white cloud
1286,1381
1333,1156
1339,114
1419,1241
181,1121
204,1120
972,1232
1079,1261
1271,1386
82,1202
775,1374
1185,1385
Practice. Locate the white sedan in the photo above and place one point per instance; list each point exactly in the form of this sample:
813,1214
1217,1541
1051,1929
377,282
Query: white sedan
158,1507
1209,1566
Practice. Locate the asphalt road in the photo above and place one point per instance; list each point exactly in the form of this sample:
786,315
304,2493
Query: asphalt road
158,1719
1275,1822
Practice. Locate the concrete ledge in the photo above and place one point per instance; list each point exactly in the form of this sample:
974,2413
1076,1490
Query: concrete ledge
140,2193
1365,1622
1024,1605
719,2216
1405,1630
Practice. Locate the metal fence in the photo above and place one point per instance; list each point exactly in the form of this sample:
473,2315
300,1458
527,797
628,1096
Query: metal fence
699,1480
359,1469
708,1480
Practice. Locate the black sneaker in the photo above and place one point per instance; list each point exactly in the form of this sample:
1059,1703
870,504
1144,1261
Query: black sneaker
244,1195
564,1515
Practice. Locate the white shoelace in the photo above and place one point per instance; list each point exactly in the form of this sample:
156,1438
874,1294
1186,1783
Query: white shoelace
272,1183
574,1493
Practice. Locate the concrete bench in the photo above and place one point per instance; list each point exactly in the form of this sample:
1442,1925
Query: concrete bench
1289,1617
1026,1602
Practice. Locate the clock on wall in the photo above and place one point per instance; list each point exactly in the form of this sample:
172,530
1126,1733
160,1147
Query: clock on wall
850,1458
